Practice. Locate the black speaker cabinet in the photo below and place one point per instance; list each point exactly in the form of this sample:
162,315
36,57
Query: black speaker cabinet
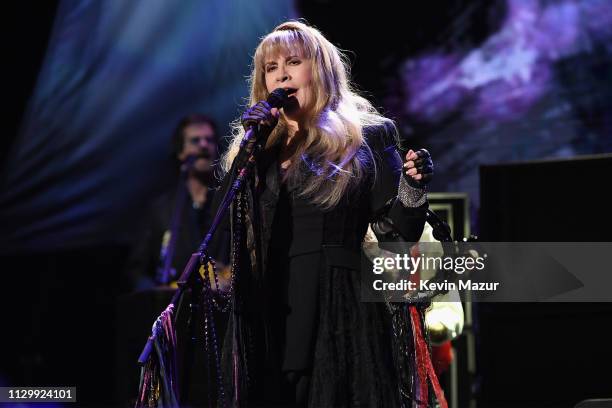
544,354
549,200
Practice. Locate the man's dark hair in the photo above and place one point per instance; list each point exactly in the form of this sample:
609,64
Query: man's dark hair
178,139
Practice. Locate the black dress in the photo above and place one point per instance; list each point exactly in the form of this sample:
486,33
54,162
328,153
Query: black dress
295,253
298,330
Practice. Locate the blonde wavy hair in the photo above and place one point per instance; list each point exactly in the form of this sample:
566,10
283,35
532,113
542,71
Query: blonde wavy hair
332,146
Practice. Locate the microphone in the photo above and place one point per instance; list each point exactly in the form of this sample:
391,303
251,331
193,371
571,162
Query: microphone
254,135
188,163
278,97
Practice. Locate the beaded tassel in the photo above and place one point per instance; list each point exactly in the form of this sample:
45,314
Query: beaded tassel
221,302
210,332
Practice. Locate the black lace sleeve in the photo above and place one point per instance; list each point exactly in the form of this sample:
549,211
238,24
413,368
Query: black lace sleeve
391,221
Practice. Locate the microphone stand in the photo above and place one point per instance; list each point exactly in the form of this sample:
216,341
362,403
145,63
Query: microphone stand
164,274
243,167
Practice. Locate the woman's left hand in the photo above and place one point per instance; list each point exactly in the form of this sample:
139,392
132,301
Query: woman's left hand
418,168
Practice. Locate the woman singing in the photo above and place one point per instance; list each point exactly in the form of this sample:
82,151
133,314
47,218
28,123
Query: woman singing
298,333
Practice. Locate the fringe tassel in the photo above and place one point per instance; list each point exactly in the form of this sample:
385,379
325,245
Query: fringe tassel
158,384
424,367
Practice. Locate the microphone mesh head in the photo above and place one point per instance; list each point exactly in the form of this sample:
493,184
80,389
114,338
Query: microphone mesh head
277,98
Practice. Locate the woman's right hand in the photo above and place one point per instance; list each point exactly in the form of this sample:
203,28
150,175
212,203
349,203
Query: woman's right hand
260,113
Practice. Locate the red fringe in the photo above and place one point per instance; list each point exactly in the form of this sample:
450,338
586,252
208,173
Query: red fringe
423,364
